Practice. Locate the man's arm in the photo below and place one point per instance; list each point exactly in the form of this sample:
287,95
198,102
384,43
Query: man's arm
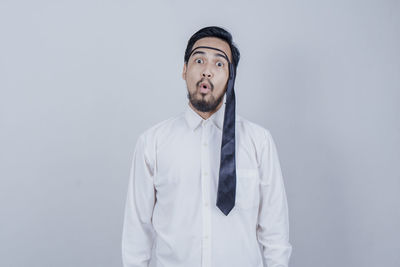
137,236
273,219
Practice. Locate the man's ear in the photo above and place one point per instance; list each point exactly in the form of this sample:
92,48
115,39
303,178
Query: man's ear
184,71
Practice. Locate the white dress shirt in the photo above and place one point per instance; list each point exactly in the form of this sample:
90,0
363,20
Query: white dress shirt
171,217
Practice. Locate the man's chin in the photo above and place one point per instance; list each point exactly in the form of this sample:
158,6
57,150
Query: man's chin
204,106
204,102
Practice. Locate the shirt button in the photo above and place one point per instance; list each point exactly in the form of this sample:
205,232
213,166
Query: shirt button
206,204
206,173
204,144
206,237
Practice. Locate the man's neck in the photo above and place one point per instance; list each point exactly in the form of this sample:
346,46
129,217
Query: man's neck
206,115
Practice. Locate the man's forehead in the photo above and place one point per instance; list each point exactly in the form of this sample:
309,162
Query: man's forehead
213,42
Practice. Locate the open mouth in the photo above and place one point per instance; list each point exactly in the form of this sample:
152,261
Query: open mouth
204,87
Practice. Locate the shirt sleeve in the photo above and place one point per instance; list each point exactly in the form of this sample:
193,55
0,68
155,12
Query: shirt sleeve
138,233
273,219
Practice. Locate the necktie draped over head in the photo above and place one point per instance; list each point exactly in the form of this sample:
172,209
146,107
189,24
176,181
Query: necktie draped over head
227,172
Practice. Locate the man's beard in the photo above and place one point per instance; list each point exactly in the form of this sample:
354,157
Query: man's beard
202,104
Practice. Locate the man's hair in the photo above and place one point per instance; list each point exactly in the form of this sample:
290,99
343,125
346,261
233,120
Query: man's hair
213,31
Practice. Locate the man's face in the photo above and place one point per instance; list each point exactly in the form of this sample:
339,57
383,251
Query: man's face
206,74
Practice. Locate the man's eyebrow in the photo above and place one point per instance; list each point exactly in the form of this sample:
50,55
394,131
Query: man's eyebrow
220,55
198,52
203,53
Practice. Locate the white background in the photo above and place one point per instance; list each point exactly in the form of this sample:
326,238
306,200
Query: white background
80,80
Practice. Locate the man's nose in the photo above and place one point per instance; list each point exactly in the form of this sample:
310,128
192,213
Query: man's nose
207,73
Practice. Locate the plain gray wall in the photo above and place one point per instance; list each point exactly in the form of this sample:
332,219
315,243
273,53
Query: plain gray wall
80,80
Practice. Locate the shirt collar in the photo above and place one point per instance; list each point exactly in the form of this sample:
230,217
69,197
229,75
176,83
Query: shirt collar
194,120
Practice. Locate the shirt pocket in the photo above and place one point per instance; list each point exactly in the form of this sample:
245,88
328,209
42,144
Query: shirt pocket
247,188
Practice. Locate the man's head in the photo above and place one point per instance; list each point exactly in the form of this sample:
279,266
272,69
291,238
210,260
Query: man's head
206,70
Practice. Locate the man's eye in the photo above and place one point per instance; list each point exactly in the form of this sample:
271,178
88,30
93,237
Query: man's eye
199,60
220,64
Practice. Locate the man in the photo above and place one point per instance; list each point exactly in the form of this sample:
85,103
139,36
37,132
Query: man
206,187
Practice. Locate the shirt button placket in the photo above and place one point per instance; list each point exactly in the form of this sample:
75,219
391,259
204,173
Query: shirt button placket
205,181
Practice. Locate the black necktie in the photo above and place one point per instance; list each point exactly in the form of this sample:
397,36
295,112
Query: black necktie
227,171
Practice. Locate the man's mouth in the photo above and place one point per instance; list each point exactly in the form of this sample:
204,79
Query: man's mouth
204,87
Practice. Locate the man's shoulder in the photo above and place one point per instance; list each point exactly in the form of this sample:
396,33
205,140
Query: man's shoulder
255,130
162,127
